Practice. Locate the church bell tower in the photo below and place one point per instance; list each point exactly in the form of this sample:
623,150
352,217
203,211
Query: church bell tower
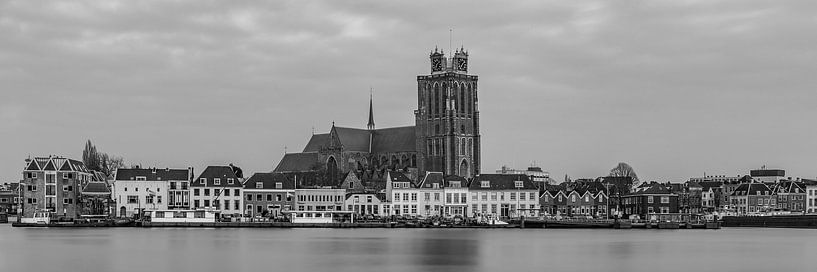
447,117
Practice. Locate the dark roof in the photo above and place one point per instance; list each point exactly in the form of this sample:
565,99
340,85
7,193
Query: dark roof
315,143
297,162
789,187
96,188
501,182
54,163
652,189
268,181
432,178
152,174
400,177
710,184
450,178
213,172
397,139
751,189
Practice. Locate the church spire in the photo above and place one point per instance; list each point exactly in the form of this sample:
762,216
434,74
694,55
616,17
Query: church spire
371,112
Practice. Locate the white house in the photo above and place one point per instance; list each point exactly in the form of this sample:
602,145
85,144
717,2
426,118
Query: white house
498,195
137,189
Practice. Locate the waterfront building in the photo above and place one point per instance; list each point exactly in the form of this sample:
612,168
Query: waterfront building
553,202
710,195
218,188
456,196
811,195
790,195
751,198
715,178
367,204
650,198
445,137
432,194
268,195
403,194
96,200
499,195
320,199
52,184
767,176
139,189
7,200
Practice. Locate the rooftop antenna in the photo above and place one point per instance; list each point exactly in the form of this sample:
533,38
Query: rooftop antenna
285,150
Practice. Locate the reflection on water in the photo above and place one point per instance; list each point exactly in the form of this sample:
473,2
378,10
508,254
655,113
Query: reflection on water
132,249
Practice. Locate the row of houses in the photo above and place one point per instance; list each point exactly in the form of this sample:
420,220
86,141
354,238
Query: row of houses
66,188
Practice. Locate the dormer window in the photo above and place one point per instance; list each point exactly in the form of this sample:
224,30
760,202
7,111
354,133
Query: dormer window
485,184
455,184
517,184
217,181
436,186
279,185
141,178
230,181
259,185
202,180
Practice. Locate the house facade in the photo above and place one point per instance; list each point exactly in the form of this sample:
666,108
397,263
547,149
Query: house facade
218,188
790,196
139,189
367,204
811,196
320,199
752,198
268,195
53,184
648,199
500,195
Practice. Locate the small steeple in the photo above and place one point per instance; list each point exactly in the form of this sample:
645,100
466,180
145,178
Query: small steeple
371,112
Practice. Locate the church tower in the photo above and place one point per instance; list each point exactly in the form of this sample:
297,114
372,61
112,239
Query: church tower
447,117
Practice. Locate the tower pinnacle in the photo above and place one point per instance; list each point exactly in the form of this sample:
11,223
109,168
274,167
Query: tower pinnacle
371,112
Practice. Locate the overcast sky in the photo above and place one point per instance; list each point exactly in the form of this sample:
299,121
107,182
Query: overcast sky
674,88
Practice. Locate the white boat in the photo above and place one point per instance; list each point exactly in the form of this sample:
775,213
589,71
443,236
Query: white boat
183,216
43,218
321,217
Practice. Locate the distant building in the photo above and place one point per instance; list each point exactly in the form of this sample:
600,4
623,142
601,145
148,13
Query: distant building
268,194
499,195
716,178
96,200
749,198
403,193
764,175
811,195
136,189
535,173
651,198
790,195
218,188
53,184
320,199
367,204
7,200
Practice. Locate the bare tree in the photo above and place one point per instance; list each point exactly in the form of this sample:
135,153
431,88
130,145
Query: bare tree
624,170
99,161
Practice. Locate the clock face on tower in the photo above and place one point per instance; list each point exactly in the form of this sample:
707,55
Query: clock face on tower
436,65
462,65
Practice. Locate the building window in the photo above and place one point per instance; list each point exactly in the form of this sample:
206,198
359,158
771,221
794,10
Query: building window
279,185
427,197
206,192
230,181
141,179
413,197
132,199
202,180
517,184
513,196
236,192
196,192
259,185
216,181
649,199
664,200
484,184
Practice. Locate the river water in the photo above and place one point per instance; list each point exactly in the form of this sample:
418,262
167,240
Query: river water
136,249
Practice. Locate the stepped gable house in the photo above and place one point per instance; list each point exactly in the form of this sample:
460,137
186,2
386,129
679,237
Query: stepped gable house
445,137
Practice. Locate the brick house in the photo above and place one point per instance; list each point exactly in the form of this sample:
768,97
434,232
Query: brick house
650,198
790,195
218,188
751,198
268,194
53,184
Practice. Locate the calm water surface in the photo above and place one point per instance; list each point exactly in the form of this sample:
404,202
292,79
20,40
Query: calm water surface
134,249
